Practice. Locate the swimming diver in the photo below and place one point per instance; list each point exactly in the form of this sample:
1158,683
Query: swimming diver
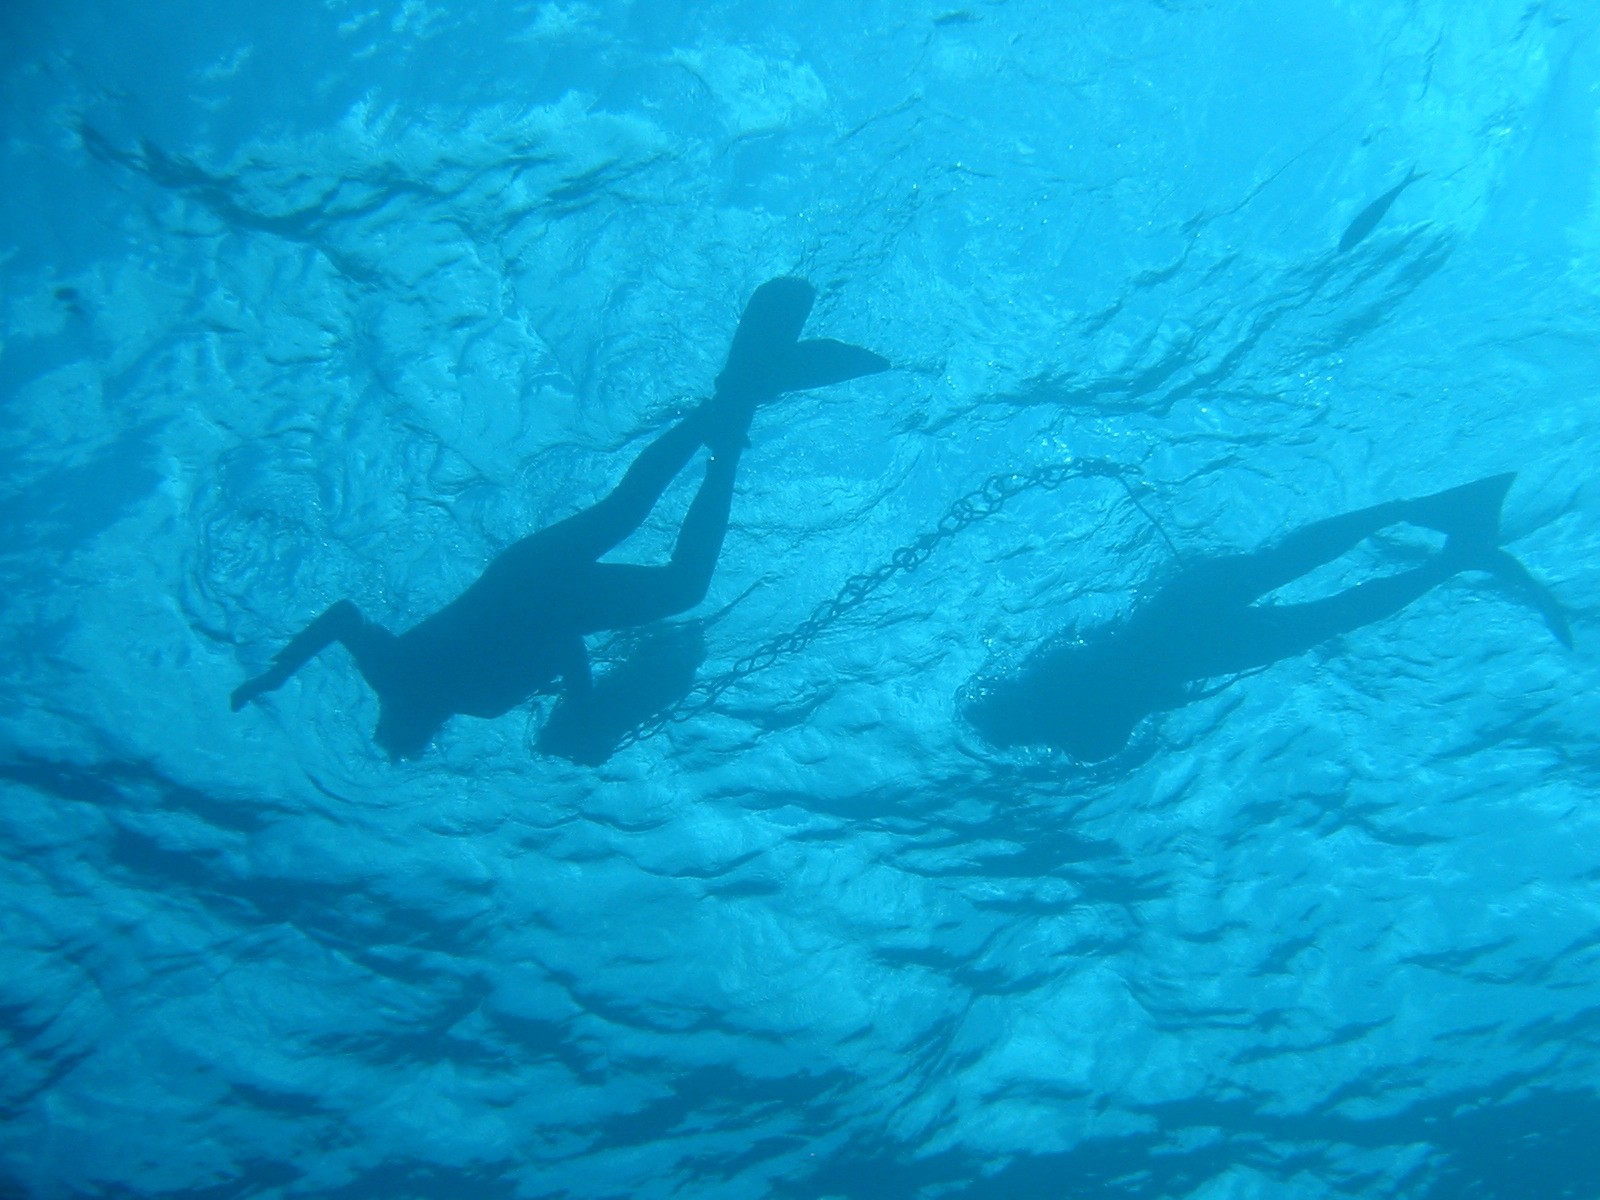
1086,697
522,623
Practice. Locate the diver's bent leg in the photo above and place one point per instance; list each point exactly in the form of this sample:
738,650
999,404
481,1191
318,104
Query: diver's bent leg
602,526
1250,576
1282,630
344,623
699,544
1470,513
618,595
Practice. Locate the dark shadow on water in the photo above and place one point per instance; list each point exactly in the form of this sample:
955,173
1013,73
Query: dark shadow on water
72,503
518,631
1539,1146
1219,618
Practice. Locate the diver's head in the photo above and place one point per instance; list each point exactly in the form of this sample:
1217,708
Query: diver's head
999,712
1068,699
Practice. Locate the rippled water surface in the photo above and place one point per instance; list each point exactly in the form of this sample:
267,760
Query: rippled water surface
305,301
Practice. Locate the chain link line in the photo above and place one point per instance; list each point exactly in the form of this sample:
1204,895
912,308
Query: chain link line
977,505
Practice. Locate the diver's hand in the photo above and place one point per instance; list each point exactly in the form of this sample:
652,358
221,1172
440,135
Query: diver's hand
260,685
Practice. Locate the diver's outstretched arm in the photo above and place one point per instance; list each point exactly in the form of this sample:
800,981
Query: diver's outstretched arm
370,645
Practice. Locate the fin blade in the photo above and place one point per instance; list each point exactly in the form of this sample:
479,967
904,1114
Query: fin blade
1470,512
1510,569
818,362
771,324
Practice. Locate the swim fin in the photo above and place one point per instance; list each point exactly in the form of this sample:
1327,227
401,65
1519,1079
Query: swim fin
1512,572
1469,513
767,332
818,362
767,358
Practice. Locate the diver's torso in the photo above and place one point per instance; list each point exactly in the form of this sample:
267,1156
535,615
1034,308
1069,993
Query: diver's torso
509,636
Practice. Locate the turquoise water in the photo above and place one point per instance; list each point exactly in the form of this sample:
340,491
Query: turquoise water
309,301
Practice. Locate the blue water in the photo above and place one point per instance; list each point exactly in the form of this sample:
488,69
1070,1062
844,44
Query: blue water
303,301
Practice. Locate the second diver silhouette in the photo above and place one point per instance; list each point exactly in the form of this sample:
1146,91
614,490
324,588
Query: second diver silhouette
521,625
1209,622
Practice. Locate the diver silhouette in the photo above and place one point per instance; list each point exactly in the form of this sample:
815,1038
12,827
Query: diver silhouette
521,625
1086,697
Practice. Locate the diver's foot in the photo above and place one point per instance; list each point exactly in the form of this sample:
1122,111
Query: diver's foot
270,680
1469,554
249,690
725,424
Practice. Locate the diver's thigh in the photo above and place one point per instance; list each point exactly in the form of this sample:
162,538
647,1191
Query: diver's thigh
1224,581
616,595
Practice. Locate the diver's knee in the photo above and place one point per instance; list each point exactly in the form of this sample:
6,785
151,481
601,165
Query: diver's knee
686,589
343,617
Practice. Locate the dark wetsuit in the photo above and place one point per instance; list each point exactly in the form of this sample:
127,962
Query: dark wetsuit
1210,621
521,625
